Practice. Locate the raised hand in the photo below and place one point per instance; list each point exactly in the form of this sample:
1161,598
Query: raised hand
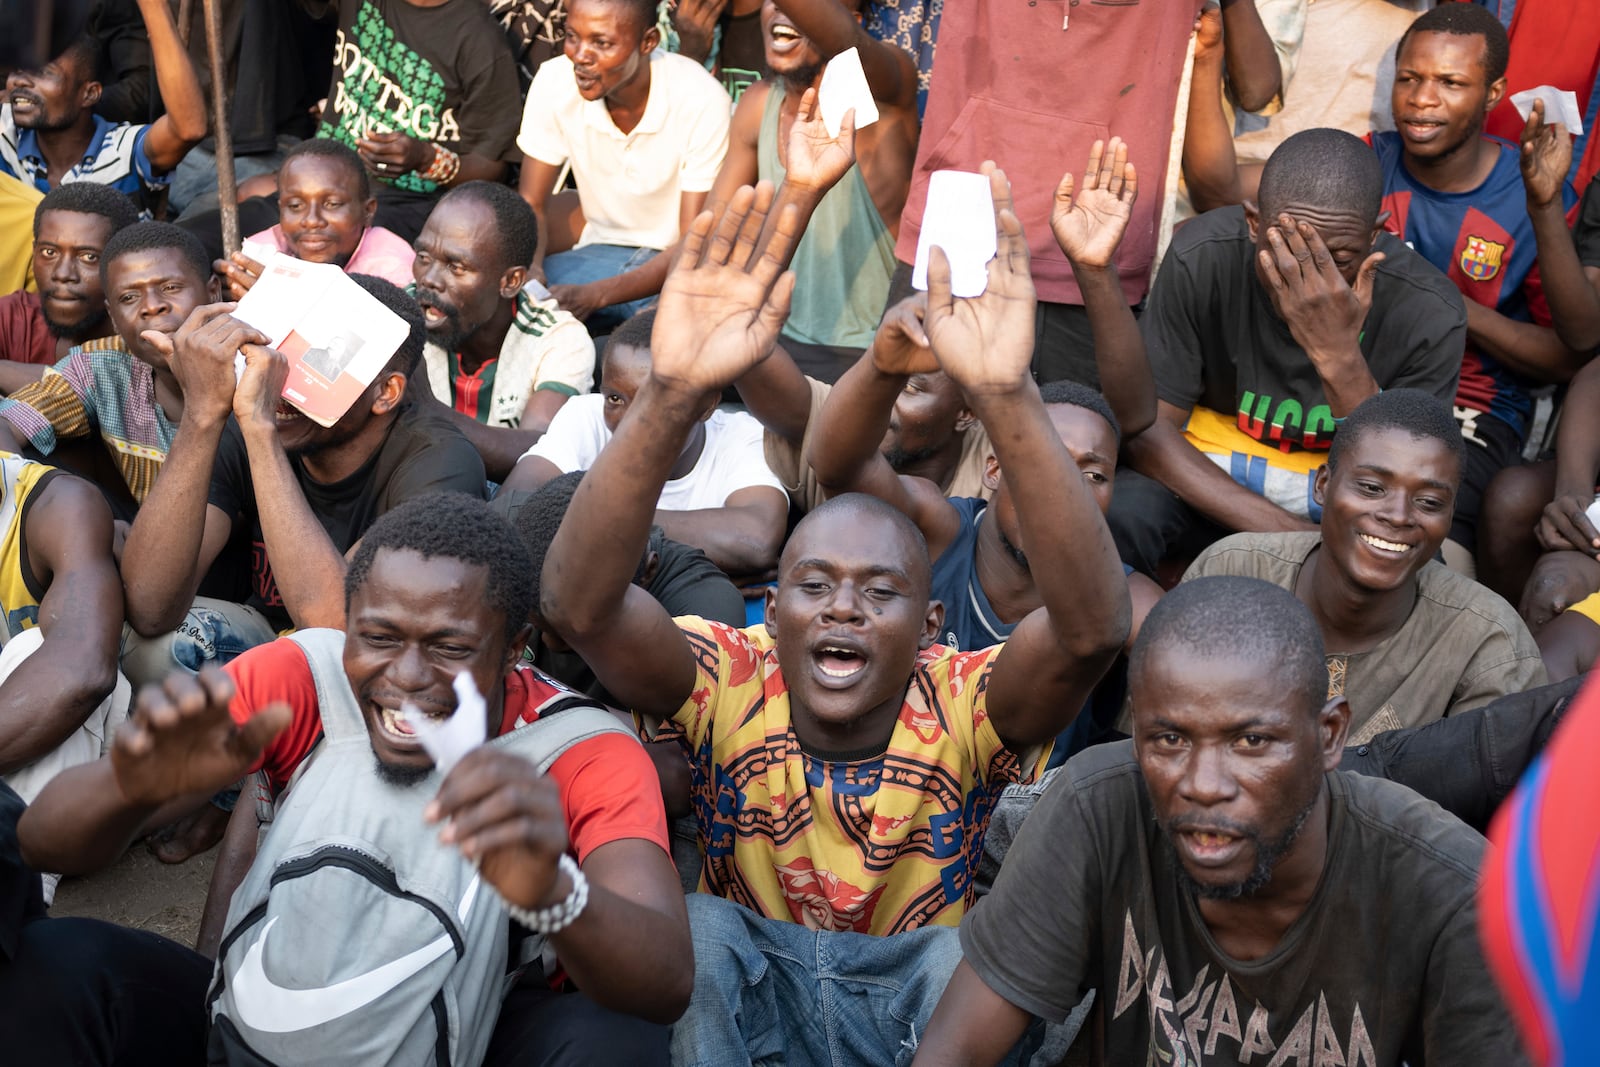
260,390
1089,222
900,345
506,817
1546,157
239,273
725,300
180,740
696,23
1208,32
812,158
1324,313
201,356
985,342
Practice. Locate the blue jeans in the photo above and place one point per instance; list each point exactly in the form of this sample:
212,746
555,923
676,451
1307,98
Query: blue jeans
591,263
775,993
212,631
194,182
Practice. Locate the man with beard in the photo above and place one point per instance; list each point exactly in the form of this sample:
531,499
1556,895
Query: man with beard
70,229
500,360
270,484
1409,641
846,258
439,589
325,213
50,135
1225,890
644,131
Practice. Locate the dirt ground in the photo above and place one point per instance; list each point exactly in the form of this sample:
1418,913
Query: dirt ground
142,892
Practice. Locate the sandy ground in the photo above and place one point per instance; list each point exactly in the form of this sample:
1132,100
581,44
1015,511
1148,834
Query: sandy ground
142,892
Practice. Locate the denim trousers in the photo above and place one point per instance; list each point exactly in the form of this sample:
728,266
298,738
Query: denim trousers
212,631
775,993
591,263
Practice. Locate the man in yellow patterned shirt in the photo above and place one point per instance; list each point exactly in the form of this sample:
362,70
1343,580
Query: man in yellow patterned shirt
844,766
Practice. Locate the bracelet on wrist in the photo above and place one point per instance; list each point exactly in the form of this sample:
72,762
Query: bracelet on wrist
562,914
445,166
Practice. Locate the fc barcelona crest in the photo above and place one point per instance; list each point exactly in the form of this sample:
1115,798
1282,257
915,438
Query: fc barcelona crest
1480,259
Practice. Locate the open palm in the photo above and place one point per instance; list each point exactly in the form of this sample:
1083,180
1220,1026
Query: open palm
723,305
1089,222
1546,156
811,157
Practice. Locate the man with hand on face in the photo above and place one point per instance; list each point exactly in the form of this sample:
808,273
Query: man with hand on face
270,484
644,131
499,359
121,388
1266,327
1228,894
575,851
1462,201
70,229
844,764
846,257
1409,640
50,135
325,212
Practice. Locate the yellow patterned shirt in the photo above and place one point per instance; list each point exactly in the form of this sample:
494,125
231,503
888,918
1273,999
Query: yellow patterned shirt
875,845
21,484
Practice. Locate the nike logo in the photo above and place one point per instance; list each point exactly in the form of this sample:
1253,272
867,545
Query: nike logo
269,1008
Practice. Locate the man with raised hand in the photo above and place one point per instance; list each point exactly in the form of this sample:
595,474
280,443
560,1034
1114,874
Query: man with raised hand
844,764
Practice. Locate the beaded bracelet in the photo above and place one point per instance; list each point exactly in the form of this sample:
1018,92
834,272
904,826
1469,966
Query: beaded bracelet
557,917
446,164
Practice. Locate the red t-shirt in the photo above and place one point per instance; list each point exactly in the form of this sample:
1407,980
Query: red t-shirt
609,788
24,335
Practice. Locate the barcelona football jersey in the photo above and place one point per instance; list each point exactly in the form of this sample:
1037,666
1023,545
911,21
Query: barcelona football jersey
1483,241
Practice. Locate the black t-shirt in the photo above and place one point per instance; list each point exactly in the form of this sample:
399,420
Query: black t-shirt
423,453
1587,232
443,74
1214,340
742,60
1383,966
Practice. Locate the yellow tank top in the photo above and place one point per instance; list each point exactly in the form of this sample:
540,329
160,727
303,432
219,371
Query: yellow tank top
20,591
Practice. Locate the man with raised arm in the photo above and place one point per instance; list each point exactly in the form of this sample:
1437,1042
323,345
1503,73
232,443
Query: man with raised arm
844,764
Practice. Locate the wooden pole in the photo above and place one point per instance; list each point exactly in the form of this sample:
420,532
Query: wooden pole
227,183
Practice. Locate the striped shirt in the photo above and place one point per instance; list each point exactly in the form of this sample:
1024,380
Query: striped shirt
98,387
115,157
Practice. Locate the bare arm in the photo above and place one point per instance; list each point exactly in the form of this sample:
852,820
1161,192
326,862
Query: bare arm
1088,224
1570,290
500,446
52,691
717,319
177,534
233,862
973,1026
536,183
530,472
184,124
742,537
1162,453
1210,164
1527,348
1059,651
777,394
1569,645
1254,73
14,376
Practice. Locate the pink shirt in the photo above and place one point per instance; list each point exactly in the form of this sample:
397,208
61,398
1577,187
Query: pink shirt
381,253
1031,86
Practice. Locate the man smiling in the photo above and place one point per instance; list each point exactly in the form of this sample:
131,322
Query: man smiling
1409,640
1229,894
844,764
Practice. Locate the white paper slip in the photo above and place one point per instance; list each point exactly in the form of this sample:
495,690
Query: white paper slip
959,218
1560,105
260,251
448,740
1592,513
844,86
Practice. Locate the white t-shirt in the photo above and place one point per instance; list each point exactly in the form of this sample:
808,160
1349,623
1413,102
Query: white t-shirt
731,460
630,184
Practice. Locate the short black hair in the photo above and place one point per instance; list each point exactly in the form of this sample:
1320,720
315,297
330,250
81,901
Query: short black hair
514,221
1466,20
1420,414
453,526
540,515
1078,395
152,237
1322,168
644,12
342,154
1231,617
871,505
405,358
634,332
85,53
88,198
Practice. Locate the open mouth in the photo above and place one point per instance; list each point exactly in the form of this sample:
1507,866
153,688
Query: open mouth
1394,547
1211,846
395,727
432,316
20,101
784,37
287,412
839,661
1420,130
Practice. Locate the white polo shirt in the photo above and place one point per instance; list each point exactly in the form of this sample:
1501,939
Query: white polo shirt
630,184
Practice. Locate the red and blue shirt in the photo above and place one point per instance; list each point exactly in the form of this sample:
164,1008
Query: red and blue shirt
1482,240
